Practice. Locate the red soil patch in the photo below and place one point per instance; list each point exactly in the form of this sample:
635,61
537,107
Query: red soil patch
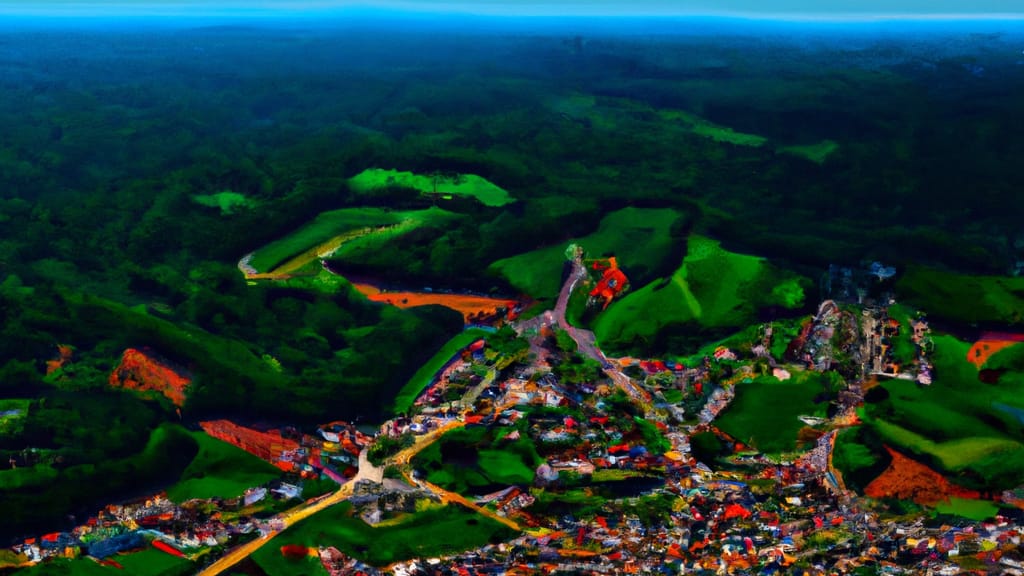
468,305
266,445
908,479
138,371
64,354
983,349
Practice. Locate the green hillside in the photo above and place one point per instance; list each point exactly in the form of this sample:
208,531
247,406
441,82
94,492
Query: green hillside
641,238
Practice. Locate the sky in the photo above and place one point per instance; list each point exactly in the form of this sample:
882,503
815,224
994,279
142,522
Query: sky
825,9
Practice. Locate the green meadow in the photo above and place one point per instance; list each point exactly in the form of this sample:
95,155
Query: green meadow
220,470
640,238
477,459
959,425
713,288
424,534
334,223
765,410
470,185
423,377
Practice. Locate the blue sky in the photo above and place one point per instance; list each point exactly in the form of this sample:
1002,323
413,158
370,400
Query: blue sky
829,9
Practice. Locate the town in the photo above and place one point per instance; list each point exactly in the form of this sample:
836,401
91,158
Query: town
594,465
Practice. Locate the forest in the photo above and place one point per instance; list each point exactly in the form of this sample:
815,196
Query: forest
136,169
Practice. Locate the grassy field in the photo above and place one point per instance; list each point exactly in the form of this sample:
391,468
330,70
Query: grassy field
964,298
707,129
335,224
469,460
436,531
220,470
639,237
816,153
764,412
149,562
325,226
959,424
12,415
713,287
972,509
65,567
469,185
152,562
423,377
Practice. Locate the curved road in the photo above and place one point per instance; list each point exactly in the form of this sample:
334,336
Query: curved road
586,342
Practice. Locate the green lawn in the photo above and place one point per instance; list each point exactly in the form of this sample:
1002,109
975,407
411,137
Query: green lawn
764,412
469,185
220,470
713,287
425,375
434,532
639,237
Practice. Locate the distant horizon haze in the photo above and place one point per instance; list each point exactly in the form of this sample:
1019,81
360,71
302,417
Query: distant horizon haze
798,10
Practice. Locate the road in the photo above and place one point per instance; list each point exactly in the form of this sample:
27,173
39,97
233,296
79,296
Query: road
586,342
289,518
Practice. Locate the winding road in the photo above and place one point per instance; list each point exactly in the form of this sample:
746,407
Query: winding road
584,340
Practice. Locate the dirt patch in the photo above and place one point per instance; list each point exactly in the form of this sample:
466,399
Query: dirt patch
471,307
907,479
266,445
983,349
141,371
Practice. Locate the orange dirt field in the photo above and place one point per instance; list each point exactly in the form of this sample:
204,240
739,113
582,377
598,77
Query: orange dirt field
983,349
908,479
467,305
138,371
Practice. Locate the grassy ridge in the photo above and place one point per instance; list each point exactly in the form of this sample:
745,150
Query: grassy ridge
334,223
220,470
422,378
469,185
321,229
963,298
423,534
959,425
713,287
641,238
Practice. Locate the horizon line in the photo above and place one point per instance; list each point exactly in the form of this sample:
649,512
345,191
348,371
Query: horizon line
92,11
